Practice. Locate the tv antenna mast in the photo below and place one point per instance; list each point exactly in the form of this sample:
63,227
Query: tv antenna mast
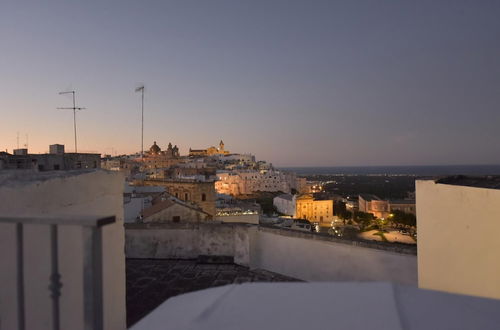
74,108
141,89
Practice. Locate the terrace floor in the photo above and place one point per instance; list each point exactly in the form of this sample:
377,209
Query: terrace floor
152,281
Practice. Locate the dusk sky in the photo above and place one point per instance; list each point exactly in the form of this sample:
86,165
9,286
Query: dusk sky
297,83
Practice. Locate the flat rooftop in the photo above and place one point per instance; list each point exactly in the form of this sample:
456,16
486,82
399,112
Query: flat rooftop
369,197
152,281
490,182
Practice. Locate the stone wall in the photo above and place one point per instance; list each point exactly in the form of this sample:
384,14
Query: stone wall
188,241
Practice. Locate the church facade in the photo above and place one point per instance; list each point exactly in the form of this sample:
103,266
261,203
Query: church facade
210,151
157,158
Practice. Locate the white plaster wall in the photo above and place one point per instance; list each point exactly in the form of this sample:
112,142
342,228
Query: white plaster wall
285,206
458,239
318,260
94,193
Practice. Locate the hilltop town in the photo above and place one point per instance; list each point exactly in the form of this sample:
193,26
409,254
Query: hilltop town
215,184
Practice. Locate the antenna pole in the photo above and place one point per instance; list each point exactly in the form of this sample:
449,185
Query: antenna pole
74,120
141,89
74,108
142,125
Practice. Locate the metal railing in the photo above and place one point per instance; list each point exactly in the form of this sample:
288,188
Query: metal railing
92,266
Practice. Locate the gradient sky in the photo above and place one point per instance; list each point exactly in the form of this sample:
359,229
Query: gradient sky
297,83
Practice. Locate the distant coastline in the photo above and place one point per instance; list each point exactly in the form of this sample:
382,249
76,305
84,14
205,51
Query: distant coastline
431,170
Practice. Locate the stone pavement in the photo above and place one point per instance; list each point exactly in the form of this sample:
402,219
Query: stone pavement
152,281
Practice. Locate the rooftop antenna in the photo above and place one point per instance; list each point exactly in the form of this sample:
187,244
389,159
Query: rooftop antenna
141,89
26,145
74,108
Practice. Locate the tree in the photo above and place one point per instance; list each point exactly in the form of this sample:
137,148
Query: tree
339,209
363,219
404,219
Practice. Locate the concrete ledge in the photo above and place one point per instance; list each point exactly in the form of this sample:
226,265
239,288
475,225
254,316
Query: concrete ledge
186,225
392,247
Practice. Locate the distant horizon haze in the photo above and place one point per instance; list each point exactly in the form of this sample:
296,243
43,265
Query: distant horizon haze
308,83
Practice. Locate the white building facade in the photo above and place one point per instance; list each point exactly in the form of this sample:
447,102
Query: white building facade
247,182
285,204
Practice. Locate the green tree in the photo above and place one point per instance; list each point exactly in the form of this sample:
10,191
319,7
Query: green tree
403,219
339,209
363,219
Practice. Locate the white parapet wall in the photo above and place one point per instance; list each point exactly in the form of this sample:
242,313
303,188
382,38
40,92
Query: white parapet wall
67,194
311,257
458,238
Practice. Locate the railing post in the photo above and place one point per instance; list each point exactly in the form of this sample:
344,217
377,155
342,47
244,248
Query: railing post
93,295
93,266
20,275
55,278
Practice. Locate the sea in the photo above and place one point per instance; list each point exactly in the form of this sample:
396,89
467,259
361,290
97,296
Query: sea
440,170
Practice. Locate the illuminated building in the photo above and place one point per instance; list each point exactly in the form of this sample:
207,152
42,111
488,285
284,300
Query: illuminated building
199,193
210,151
372,204
314,209
244,182
382,208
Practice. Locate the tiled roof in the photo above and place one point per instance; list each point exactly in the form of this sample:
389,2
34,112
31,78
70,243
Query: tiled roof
160,206
152,281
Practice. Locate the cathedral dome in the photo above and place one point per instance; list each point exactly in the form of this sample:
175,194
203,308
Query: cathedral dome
154,149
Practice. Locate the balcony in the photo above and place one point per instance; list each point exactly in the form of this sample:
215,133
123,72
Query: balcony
92,261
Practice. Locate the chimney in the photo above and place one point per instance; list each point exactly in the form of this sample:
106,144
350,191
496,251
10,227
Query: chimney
56,149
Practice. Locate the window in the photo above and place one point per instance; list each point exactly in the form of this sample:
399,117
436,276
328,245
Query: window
56,167
40,167
176,218
186,196
176,195
203,197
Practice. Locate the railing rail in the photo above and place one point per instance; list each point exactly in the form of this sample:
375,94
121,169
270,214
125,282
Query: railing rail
92,265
